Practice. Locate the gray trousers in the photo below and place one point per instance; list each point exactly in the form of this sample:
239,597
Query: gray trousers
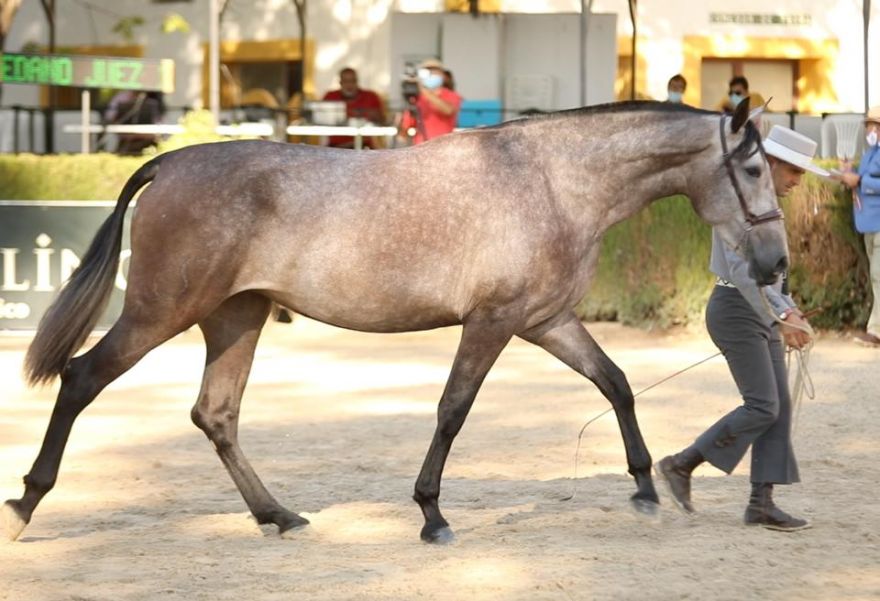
756,357
872,247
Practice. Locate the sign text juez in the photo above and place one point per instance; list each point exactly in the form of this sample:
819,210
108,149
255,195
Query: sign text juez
88,71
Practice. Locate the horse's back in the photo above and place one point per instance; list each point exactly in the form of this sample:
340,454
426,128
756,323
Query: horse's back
371,240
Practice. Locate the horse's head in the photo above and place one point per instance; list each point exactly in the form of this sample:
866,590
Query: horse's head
733,190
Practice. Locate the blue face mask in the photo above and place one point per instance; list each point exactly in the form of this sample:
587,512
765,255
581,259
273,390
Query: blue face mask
674,97
735,99
432,81
871,139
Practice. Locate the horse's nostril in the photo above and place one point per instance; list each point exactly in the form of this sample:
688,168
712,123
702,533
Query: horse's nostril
782,265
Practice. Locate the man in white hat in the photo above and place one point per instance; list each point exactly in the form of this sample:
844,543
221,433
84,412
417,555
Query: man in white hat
753,340
866,211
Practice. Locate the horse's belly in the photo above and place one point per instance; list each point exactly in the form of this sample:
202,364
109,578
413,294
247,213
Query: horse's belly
369,314
371,300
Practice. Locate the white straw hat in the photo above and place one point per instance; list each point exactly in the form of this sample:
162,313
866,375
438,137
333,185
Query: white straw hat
797,149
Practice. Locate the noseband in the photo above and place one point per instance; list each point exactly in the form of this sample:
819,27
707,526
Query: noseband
752,219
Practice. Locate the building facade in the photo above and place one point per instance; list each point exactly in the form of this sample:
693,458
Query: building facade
806,54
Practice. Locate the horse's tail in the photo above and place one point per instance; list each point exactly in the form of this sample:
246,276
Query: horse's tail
70,318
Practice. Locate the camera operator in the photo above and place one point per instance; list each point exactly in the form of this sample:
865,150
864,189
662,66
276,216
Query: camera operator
432,108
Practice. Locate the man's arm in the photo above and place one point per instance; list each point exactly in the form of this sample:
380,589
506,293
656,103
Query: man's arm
869,172
446,108
783,306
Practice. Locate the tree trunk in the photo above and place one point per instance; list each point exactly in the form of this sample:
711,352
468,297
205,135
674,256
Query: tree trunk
300,6
49,129
8,9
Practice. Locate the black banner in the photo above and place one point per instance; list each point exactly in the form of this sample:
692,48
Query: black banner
41,243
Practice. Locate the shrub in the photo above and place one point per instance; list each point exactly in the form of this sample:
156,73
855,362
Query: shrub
654,268
64,177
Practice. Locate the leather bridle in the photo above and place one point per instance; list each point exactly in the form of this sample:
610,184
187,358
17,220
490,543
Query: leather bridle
752,219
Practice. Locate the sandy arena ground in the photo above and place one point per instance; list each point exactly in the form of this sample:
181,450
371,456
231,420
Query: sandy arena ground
337,423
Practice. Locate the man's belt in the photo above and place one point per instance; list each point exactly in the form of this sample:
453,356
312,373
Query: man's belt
725,283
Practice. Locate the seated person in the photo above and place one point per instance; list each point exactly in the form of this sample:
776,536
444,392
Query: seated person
737,90
128,107
675,89
359,104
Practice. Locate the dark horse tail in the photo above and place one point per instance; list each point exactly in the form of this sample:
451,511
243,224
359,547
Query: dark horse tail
75,311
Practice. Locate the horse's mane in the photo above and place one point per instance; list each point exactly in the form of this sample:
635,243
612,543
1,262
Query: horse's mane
626,106
751,134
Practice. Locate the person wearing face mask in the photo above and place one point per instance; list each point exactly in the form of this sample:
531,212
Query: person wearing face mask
359,104
737,90
675,89
865,184
752,341
435,111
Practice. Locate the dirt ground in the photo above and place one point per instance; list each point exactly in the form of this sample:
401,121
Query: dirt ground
337,424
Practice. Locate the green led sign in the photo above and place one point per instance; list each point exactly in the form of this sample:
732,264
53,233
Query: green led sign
88,71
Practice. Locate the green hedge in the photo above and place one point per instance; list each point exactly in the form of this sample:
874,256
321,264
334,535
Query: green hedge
91,176
653,269
65,177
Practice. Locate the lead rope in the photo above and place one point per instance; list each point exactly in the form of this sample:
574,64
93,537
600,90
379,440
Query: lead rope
803,384
605,412
803,381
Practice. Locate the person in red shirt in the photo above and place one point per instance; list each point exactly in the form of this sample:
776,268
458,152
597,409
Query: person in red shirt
359,104
434,111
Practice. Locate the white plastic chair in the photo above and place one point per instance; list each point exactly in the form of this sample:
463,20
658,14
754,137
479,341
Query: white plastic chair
849,132
840,136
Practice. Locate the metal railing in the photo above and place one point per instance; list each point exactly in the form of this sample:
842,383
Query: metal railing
22,128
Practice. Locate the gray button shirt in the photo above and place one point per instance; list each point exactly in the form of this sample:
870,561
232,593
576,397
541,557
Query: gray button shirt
728,265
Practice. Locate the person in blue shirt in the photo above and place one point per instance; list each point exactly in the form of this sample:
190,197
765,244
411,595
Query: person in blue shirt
865,184
752,325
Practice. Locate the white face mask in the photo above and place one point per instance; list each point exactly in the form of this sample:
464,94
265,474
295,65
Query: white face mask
871,138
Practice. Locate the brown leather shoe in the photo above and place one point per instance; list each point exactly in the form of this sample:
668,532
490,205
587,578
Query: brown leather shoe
678,481
774,518
866,339
762,511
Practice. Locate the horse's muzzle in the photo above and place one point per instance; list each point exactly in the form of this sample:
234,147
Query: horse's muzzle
766,270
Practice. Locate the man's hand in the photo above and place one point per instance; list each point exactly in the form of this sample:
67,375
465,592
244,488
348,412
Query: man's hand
848,178
793,335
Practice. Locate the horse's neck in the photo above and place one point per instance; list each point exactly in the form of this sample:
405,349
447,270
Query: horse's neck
618,164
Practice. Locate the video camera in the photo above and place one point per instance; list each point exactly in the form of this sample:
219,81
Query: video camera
409,85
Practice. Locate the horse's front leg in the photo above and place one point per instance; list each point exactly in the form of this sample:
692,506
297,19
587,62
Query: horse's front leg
565,338
482,340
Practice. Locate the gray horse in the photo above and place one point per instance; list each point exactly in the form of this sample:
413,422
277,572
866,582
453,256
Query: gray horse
496,229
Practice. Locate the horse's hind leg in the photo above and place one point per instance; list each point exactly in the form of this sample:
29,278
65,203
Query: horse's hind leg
481,343
231,334
566,339
83,378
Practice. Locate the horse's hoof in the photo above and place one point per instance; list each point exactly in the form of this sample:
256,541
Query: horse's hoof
645,507
11,522
441,536
291,525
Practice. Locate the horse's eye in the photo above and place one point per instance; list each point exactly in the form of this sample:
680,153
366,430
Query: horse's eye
753,172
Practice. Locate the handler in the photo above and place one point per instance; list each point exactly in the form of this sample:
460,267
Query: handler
751,340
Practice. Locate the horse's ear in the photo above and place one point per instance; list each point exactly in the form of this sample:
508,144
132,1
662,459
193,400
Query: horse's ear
756,112
740,115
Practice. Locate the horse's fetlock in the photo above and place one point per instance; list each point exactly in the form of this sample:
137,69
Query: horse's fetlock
425,496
